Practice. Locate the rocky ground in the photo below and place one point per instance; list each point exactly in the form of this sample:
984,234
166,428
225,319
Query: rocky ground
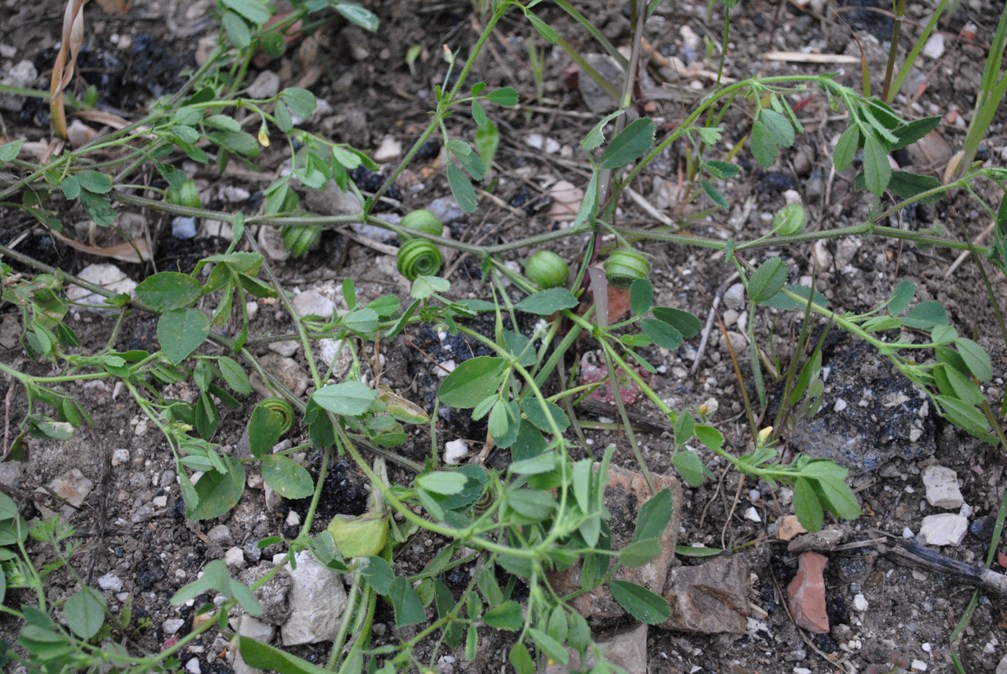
777,599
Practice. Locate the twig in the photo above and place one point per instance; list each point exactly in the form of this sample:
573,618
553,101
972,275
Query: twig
961,258
705,335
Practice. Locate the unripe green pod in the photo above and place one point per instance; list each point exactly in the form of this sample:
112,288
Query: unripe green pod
185,194
421,220
301,239
546,269
625,265
418,257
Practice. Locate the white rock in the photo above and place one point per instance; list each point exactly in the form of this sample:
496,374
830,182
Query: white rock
192,666
110,582
253,628
234,557
753,515
172,625
234,194
183,227
1002,665
860,602
934,48
22,75
120,456
313,302
108,276
72,487
839,406
918,666
944,529
444,368
455,451
266,85
446,209
942,488
907,532
317,599
792,197
285,348
389,149
540,142
79,133
734,297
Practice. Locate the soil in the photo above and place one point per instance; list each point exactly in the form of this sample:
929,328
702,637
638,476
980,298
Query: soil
131,524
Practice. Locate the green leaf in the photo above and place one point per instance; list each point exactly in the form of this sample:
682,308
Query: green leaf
253,10
379,574
426,287
462,189
442,482
914,131
95,182
286,477
534,504
976,358
901,296
506,616
234,375
558,626
361,321
265,426
406,603
474,380
631,144
98,208
710,436
487,141
85,612
764,148
877,170
640,602
349,398
641,296
779,127
906,185
238,142
661,333
219,492
639,553
542,28
789,220
8,509
270,659
536,465
181,332
359,16
476,481
806,505
966,417
925,315
596,136
550,647
713,193
654,516
846,148
957,385
505,96
548,302
839,498
695,551
782,301
689,466
540,417
683,321
10,151
168,290
767,280
721,170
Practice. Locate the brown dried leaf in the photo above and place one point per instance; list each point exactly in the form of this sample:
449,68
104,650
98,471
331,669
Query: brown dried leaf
135,251
62,69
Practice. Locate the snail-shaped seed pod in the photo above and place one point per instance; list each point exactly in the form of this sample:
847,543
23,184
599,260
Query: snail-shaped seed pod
418,257
421,220
301,239
625,265
546,269
185,194
281,410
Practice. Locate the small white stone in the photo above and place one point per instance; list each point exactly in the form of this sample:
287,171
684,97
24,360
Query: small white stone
839,406
792,197
445,368
455,451
734,297
293,519
389,149
192,666
944,529
172,625
907,532
159,501
918,666
234,557
753,515
926,646
266,85
108,276
1002,666
942,488
312,302
934,48
183,227
120,456
110,582
860,602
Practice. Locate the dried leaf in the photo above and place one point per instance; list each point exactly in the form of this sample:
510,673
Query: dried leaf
134,252
62,70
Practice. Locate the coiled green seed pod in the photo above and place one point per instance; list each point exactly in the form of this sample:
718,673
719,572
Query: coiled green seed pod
546,269
418,257
421,220
185,194
281,411
301,239
625,265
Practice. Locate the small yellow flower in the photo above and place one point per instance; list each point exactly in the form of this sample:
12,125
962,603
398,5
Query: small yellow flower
764,434
263,135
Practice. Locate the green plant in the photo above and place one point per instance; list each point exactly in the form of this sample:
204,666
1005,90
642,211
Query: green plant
546,269
418,257
625,265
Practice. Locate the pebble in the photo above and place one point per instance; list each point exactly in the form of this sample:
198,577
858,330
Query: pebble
287,347
234,557
23,75
752,515
918,666
266,85
172,625
944,529
220,535
826,539
317,599
806,593
540,142
108,276
734,297
934,47
183,227
193,666
860,602
312,302
120,456
234,194
72,486
455,451
942,488
110,582
566,199
79,133
389,149
789,528
1002,665
446,209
